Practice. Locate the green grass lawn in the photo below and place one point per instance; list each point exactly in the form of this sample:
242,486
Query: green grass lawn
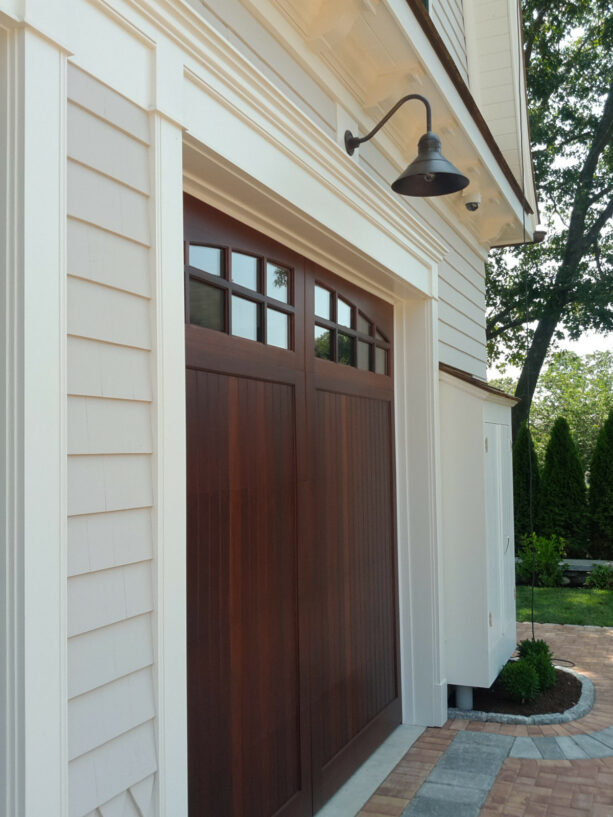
564,605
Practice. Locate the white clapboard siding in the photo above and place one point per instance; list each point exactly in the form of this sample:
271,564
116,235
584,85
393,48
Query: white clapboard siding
106,772
452,296
108,483
101,313
99,145
109,711
448,17
473,351
107,104
100,200
103,540
107,258
108,596
100,426
100,656
102,370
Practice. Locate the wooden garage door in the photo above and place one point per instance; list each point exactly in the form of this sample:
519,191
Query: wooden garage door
293,675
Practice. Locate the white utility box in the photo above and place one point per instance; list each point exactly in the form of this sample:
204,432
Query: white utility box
477,527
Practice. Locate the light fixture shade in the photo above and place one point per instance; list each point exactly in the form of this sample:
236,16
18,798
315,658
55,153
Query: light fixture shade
430,174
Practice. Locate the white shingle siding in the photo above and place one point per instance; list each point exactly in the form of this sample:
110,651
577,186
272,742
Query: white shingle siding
111,703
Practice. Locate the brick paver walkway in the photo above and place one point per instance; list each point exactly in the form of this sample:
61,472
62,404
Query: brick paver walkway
527,788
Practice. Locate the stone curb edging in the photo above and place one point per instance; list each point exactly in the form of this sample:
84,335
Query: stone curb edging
579,710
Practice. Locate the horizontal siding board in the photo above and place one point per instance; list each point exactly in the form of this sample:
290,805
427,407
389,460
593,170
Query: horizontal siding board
450,315
101,656
101,370
108,483
101,313
100,426
104,540
455,299
107,104
453,337
99,200
108,711
98,599
102,147
107,771
107,258
462,360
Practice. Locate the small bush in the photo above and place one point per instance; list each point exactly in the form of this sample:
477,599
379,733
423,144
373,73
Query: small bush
545,553
600,578
520,680
529,648
539,655
545,670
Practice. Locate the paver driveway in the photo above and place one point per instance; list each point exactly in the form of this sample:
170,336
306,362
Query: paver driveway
517,787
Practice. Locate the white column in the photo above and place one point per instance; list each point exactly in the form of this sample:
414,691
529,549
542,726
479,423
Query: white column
424,687
33,421
170,499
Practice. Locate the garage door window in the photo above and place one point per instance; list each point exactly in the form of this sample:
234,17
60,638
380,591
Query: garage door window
344,335
240,294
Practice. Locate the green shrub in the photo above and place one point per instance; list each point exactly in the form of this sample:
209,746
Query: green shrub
526,480
529,648
600,578
539,655
545,554
520,680
545,670
562,502
601,493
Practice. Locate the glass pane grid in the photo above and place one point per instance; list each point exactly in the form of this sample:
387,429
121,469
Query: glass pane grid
352,339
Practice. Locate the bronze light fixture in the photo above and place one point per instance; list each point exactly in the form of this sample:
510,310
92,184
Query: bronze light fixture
430,174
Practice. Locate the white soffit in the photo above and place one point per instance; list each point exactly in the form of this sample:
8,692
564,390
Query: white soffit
367,54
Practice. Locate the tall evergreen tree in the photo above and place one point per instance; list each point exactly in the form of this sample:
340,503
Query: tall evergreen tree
562,500
526,483
601,493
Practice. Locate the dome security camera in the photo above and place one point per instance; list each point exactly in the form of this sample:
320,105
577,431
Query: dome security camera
473,203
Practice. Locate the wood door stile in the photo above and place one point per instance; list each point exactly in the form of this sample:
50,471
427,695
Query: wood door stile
292,601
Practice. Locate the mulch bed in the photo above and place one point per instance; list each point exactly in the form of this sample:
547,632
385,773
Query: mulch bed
562,695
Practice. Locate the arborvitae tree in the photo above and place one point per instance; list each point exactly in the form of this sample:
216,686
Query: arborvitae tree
601,493
526,482
562,500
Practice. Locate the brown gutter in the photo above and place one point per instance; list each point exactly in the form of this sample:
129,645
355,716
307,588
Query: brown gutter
423,18
474,381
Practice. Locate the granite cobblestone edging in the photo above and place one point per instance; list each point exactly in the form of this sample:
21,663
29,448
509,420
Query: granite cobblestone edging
579,710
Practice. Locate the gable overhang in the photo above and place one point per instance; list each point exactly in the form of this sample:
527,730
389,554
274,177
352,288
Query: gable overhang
366,54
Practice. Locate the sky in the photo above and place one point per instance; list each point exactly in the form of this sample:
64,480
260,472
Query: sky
588,342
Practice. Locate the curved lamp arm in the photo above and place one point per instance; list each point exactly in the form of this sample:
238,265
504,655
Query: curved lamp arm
351,141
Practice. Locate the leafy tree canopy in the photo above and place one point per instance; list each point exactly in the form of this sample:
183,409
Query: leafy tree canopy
537,292
577,387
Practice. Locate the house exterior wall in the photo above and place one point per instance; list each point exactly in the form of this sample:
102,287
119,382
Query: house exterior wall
110,446
140,101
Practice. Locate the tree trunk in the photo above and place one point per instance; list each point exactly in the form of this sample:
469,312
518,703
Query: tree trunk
532,368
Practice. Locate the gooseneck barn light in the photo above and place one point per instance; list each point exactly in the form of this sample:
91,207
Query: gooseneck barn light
430,174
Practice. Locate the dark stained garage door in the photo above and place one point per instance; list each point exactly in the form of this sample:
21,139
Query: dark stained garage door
293,671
